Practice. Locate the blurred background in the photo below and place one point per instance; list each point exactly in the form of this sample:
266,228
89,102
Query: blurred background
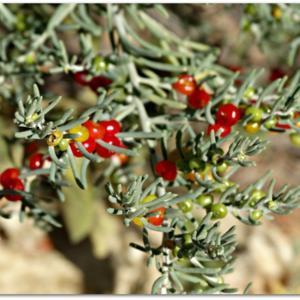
91,253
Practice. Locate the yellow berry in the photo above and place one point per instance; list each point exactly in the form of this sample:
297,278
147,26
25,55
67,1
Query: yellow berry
81,132
252,127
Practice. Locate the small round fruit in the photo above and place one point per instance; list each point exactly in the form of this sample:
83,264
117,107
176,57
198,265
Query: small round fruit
194,164
82,133
277,12
186,206
99,64
222,168
283,126
8,175
199,99
111,140
255,215
63,145
256,196
96,130
31,147
270,123
99,81
14,184
219,210
249,92
272,204
166,169
54,138
252,127
81,77
89,145
205,200
185,84
295,139
255,112
158,217
223,129
228,114
36,161
111,127
137,221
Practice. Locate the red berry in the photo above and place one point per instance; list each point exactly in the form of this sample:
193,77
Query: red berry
276,74
225,130
96,130
31,147
112,140
282,126
9,174
111,127
199,99
228,114
89,145
81,77
158,218
99,81
36,161
185,84
166,169
14,184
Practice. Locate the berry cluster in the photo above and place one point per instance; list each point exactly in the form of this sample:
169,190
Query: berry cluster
166,169
95,83
87,134
227,116
155,216
9,179
198,97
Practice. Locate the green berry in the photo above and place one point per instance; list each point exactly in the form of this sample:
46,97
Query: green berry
270,123
256,215
219,210
186,206
221,168
249,92
256,196
205,200
255,113
63,145
272,204
99,64
295,139
194,165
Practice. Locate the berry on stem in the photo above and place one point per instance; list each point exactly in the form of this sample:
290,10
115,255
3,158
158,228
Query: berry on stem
166,169
8,175
219,210
224,129
111,127
36,161
96,130
228,114
14,184
112,140
89,145
199,99
81,77
205,200
295,139
185,84
99,81
82,133
252,127
255,113
186,206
